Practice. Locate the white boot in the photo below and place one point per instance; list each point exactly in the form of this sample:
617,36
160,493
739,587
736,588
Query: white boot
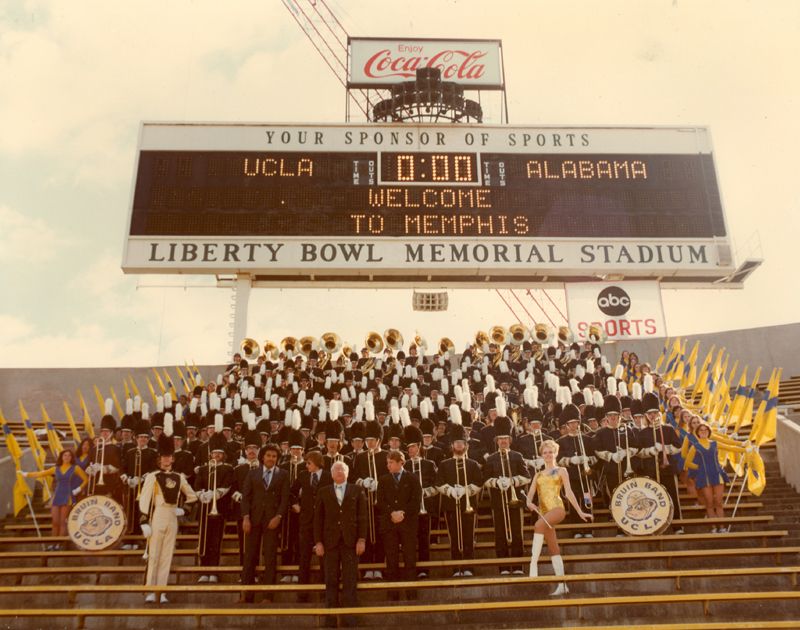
538,540
558,569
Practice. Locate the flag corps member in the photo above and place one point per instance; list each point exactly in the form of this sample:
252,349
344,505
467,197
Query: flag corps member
158,504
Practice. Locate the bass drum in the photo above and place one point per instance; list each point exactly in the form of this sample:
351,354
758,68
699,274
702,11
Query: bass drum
96,523
641,507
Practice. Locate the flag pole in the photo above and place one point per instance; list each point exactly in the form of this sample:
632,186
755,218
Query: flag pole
33,514
741,490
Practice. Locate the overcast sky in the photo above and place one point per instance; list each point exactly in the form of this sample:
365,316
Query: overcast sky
76,79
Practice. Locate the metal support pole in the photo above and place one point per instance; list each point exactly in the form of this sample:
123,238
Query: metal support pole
243,285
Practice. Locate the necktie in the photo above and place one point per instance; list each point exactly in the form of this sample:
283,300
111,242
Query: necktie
396,479
340,493
267,477
314,480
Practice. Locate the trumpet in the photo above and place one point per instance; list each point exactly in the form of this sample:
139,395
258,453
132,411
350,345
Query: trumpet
505,468
203,542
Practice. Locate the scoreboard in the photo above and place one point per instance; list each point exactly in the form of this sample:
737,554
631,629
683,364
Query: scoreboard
292,203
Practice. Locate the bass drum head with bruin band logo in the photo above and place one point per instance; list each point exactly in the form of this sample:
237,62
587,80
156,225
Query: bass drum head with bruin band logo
96,523
641,507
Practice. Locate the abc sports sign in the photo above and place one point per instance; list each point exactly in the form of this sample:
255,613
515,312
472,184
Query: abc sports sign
626,310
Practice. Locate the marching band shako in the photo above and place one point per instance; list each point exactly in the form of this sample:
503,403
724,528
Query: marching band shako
641,507
96,523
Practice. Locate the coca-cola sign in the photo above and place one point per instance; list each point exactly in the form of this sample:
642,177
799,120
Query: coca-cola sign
378,63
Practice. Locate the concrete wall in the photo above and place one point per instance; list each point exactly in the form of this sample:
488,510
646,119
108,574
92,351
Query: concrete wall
787,440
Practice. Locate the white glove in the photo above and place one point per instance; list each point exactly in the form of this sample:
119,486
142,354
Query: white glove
503,483
93,469
653,451
76,492
205,497
538,463
617,457
109,469
242,460
146,531
370,484
585,459
472,489
458,491
748,449
23,473
133,482
575,459
659,446
221,492
429,492
237,496
179,511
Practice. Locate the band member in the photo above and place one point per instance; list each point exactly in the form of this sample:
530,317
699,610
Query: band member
615,445
265,502
290,527
575,453
340,530
303,499
212,485
138,462
158,504
252,442
333,443
184,460
425,471
504,472
104,460
429,450
368,467
399,500
529,443
658,445
548,484
459,481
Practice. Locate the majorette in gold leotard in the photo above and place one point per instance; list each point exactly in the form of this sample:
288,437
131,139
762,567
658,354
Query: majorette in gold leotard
548,486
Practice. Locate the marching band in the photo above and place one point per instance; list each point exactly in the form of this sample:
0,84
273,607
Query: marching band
423,437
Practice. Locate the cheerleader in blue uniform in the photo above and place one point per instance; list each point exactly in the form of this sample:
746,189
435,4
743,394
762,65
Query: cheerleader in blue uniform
702,460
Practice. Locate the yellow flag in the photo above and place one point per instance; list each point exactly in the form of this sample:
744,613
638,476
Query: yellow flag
737,403
701,380
152,391
76,436
21,489
661,357
52,436
183,380
13,446
100,402
135,389
746,415
198,378
756,476
191,375
39,454
21,492
171,386
87,422
690,369
127,392
160,382
764,425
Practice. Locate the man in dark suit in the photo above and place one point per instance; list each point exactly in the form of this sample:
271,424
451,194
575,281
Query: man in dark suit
304,498
399,500
265,502
340,532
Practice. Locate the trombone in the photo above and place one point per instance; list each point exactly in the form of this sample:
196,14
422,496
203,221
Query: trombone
461,466
101,448
130,501
629,472
508,502
294,462
203,542
416,467
372,499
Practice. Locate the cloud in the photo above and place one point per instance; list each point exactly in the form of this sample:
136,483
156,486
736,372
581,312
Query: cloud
21,237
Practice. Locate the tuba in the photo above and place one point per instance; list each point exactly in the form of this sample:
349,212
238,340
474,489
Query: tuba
481,340
270,350
446,348
289,345
374,342
250,349
565,335
394,339
307,344
498,335
330,343
419,340
596,334
543,334
518,334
